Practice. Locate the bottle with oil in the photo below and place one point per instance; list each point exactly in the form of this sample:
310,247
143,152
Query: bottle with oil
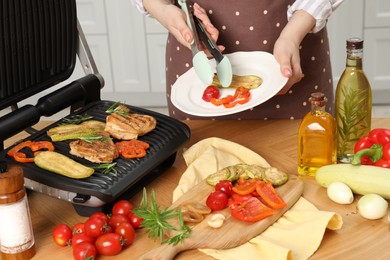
316,137
353,102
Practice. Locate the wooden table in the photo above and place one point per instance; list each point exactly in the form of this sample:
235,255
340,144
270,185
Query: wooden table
276,141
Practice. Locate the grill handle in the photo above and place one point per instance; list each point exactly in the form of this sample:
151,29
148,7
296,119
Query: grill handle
76,94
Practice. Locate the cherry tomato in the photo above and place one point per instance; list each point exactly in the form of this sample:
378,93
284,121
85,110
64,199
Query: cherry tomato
135,221
80,238
78,228
101,215
217,200
122,207
95,227
127,233
62,235
210,92
117,219
108,244
84,250
224,186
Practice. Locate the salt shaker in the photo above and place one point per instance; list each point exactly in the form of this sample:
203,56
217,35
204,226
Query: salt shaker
16,234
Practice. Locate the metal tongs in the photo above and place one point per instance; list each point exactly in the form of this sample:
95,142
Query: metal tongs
199,59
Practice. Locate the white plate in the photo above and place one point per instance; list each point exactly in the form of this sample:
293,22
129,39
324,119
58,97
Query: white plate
188,89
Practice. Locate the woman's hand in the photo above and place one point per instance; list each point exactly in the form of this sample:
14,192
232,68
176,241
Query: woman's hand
174,20
286,48
287,55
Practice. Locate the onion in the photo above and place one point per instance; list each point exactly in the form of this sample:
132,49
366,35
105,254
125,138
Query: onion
196,208
372,206
191,217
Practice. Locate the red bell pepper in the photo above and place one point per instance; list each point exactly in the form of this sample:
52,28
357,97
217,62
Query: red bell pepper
373,149
34,146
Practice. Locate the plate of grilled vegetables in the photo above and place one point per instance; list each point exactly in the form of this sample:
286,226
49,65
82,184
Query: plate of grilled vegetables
258,71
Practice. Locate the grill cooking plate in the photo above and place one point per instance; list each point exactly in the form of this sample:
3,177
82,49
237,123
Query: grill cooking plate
95,192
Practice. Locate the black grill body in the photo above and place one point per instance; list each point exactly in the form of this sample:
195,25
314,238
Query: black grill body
39,42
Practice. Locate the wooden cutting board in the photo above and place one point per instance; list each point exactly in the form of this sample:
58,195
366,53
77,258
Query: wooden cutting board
233,232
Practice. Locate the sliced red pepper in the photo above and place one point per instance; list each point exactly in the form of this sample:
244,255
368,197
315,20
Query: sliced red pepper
252,210
241,96
35,147
245,187
132,149
269,195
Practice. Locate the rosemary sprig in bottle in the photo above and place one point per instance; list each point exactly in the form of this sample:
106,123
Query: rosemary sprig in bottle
155,220
115,108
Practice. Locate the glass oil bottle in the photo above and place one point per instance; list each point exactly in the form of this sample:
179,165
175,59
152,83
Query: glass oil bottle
316,137
353,102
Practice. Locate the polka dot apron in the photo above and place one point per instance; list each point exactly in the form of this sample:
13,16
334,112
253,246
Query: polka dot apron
254,25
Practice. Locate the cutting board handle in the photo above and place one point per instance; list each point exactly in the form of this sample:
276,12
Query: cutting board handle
164,252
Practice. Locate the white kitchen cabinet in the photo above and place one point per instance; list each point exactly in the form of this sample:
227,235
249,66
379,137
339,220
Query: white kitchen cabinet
370,20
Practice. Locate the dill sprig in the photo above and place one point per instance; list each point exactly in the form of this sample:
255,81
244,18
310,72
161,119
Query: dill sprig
107,167
76,119
115,108
155,220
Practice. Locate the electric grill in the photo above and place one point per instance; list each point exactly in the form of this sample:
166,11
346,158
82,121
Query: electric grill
40,40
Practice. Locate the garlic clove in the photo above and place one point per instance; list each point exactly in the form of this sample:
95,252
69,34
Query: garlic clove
340,193
216,220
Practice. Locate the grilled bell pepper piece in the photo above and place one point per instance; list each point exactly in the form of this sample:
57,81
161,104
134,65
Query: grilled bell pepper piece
373,149
36,147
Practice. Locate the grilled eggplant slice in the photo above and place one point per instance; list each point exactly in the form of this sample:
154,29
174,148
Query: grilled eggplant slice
75,131
248,171
250,81
63,165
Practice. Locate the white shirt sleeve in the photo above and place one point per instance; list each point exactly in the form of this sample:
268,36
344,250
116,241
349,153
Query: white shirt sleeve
140,7
319,9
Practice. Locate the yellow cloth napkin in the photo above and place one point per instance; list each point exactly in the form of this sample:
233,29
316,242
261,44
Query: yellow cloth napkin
296,235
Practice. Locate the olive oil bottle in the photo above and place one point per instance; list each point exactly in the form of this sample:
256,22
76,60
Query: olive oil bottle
316,137
353,102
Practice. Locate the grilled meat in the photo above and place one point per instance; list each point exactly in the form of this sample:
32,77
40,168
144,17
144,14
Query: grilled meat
102,150
129,126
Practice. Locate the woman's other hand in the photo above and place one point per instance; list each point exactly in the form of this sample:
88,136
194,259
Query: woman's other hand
286,48
287,55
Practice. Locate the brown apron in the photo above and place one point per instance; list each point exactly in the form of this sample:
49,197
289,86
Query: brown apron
254,25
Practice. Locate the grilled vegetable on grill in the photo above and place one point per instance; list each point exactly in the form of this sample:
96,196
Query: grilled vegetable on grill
123,125
97,148
250,81
248,171
63,165
75,131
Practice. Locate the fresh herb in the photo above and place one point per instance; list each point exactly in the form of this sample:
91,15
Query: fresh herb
76,119
155,220
107,167
91,138
115,108
353,119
